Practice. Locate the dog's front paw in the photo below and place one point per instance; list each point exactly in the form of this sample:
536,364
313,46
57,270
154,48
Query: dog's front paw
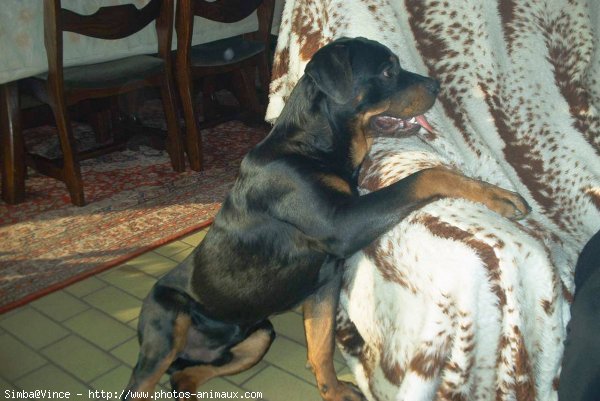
344,391
508,204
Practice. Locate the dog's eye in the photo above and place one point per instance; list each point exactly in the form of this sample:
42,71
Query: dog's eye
388,73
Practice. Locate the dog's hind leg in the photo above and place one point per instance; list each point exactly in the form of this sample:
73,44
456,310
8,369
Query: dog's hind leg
161,340
243,356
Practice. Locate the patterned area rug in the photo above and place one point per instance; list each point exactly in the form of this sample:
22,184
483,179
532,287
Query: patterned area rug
136,202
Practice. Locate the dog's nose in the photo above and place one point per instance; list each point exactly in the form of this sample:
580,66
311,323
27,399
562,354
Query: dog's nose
432,86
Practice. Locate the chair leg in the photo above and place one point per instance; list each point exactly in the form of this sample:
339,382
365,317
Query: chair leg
244,81
174,141
264,74
71,171
12,151
193,138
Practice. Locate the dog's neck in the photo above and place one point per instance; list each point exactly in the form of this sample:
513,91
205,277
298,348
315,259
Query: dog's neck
309,122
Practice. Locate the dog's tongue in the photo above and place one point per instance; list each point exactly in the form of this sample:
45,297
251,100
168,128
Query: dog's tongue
424,123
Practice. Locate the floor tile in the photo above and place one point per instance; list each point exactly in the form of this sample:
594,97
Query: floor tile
60,305
152,263
85,287
4,385
278,385
291,325
165,381
52,378
115,303
13,350
100,329
172,248
180,257
133,323
241,378
80,358
290,356
8,314
33,328
127,352
337,356
130,280
195,238
112,382
345,374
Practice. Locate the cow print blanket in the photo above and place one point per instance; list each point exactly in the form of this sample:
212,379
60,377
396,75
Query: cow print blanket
456,302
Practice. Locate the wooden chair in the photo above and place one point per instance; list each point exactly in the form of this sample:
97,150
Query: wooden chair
67,86
240,55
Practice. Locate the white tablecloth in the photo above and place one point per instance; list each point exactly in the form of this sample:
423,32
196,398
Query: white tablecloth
22,51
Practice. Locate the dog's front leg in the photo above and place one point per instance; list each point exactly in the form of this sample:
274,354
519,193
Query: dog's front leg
319,325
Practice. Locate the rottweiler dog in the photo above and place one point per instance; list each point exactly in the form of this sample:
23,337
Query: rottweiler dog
580,375
293,214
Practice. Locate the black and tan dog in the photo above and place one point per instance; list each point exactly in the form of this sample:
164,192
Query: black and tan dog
292,215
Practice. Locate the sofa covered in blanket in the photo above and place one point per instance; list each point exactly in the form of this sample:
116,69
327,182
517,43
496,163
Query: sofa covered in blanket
456,302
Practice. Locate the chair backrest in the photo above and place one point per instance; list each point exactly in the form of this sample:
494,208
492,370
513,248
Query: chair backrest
227,11
109,22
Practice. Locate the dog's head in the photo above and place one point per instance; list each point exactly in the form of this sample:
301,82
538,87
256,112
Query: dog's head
364,77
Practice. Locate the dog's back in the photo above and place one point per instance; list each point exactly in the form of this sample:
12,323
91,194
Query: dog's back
580,377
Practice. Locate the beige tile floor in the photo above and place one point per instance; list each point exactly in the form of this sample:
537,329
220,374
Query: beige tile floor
82,339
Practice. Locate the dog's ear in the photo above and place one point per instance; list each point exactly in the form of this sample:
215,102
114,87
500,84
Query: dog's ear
331,71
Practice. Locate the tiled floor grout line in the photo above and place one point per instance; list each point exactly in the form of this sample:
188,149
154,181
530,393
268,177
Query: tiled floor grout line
41,311
81,298
39,350
91,344
47,361
291,374
228,379
110,350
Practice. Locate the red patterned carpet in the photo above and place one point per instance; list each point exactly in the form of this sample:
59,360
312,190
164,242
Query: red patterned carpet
135,203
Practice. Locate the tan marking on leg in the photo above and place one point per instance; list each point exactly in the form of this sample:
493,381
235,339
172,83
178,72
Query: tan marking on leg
336,182
245,355
440,181
319,326
180,329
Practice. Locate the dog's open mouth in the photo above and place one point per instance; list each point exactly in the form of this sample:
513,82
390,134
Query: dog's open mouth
389,125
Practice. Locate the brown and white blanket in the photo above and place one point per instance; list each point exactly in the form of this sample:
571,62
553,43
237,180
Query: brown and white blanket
456,302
